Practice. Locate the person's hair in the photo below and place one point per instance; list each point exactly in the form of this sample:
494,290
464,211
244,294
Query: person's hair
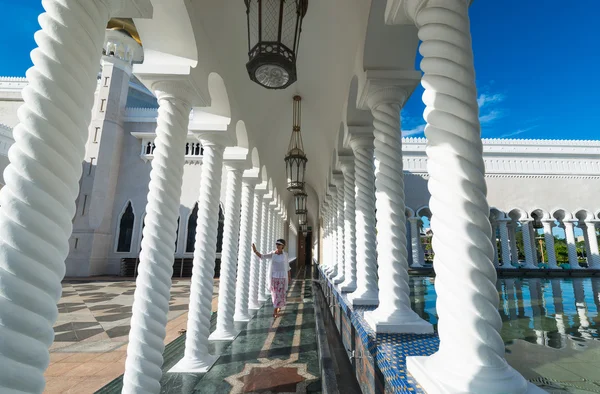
281,241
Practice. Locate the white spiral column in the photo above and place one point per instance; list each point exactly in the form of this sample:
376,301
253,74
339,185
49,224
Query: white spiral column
549,238
593,241
471,353
196,357
571,247
266,217
504,245
527,244
330,198
327,247
269,247
245,263
394,313
334,232
349,284
366,260
153,284
415,243
341,257
225,330
514,251
42,184
253,302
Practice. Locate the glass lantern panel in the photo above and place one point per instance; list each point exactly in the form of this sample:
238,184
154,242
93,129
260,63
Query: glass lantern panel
253,23
270,19
289,23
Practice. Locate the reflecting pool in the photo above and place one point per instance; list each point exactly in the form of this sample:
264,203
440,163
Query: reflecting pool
550,328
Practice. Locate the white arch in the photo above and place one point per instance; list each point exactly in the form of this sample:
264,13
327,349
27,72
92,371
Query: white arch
118,229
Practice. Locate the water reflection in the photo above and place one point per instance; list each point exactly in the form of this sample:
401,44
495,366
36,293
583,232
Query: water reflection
555,313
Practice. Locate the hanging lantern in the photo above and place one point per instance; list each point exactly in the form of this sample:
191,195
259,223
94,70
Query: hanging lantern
302,219
300,198
295,159
274,28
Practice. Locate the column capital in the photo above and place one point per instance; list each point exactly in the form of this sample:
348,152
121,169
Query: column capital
387,87
404,12
217,139
413,219
130,8
347,162
362,140
235,165
338,179
175,89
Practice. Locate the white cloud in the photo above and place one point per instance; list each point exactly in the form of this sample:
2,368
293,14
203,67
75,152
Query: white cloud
486,99
490,116
416,130
519,131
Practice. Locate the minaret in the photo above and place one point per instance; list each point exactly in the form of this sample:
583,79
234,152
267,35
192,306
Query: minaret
93,231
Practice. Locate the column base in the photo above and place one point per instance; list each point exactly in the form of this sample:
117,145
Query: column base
576,267
224,335
402,321
363,297
347,287
507,267
252,307
197,365
417,266
530,267
242,317
440,381
594,267
261,298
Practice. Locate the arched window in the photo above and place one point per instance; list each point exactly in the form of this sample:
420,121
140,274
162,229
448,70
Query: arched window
177,233
220,230
126,229
191,230
149,148
142,232
187,148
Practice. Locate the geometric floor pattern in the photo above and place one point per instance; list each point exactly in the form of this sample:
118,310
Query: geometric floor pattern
95,316
268,356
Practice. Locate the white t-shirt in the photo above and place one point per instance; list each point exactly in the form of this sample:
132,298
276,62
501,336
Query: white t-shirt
279,264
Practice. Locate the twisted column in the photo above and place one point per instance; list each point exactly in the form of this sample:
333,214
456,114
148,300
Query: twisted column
495,244
471,352
415,240
153,284
263,247
341,256
594,261
549,238
225,330
42,184
366,261
269,246
334,232
571,247
527,244
514,251
349,284
242,283
197,357
504,245
394,313
255,262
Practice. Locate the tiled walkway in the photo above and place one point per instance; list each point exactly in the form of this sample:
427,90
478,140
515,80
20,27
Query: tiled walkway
268,356
92,332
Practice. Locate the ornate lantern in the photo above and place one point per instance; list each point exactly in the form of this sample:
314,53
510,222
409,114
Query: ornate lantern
295,159
300,198
302,219
274,28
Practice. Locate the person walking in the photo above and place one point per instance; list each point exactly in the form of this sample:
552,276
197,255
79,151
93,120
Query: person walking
280,274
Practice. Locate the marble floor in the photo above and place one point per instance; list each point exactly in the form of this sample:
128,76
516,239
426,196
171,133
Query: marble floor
91,331
270,355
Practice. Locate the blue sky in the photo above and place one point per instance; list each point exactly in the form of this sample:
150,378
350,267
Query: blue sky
536,63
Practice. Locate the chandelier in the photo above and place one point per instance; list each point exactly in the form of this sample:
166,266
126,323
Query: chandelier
295,159
300,198
274,28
